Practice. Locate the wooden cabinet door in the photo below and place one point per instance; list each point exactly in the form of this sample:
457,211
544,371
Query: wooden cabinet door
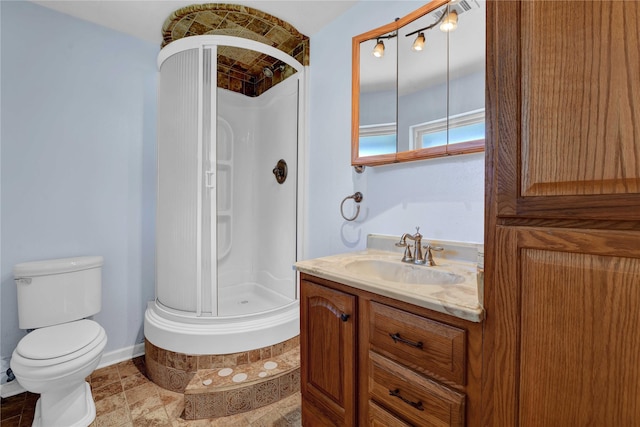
563,106
564,330
328,352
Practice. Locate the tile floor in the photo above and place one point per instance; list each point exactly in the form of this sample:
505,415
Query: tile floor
125,397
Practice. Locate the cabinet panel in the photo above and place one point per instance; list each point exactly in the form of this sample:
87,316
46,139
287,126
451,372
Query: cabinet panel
579,338
563,142
567,303
327,346
580,126
418,342
417,399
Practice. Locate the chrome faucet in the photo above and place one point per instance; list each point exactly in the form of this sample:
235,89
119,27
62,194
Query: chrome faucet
417,257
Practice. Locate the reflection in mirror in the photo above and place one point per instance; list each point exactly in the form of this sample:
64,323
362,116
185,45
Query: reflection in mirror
436,86
422,82
378,59
467,75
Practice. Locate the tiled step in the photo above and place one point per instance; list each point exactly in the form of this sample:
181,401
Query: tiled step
221,392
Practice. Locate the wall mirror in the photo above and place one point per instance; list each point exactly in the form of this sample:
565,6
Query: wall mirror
418,85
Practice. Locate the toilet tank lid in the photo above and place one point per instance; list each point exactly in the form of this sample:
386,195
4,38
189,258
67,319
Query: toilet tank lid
56,266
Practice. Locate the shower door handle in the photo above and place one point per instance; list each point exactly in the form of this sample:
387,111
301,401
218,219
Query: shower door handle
208,181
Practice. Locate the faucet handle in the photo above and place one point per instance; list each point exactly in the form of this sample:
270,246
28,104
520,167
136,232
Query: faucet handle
407,254
407,257
428,257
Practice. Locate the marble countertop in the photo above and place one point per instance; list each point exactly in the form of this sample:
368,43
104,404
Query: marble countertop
458,299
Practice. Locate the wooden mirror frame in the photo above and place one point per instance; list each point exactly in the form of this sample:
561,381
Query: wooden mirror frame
466,147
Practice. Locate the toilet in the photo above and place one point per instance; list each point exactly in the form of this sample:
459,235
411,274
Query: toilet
55,297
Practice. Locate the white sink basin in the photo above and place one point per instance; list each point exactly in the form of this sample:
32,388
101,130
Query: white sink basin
402,273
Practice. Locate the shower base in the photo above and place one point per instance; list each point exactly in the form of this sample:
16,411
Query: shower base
249,298
254,317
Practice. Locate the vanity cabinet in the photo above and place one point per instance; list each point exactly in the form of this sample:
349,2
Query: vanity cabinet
411,366
562,250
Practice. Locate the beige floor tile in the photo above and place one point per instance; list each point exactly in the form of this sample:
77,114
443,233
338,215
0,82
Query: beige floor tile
179,422
145,406
108,390
155,418
105,376
143,391
256,414
134,381
290,403
270,419
117,418
232,421
110,404
129,368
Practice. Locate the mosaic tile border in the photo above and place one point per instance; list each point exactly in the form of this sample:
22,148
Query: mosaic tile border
223,403
173,371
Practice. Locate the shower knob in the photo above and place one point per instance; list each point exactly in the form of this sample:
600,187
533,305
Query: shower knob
280,171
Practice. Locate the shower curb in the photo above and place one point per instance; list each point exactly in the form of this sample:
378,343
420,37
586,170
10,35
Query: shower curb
173,371
210,394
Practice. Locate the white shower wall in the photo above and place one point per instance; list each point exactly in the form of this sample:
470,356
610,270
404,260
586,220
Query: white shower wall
263,220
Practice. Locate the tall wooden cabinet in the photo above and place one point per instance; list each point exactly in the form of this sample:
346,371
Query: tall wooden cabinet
562,253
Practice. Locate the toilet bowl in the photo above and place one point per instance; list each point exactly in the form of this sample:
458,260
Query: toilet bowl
54,362
55,299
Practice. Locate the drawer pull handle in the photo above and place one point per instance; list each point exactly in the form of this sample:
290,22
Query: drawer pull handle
396,337
344,317
396,393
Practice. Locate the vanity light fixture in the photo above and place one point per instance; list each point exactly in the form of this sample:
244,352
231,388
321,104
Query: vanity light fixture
450,22
378,51
418,44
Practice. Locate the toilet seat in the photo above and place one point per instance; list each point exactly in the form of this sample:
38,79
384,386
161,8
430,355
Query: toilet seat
60,343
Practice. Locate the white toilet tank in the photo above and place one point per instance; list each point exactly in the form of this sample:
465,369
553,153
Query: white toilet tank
57,291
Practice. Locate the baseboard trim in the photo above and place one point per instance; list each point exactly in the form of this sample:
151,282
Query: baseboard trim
13,388
121,355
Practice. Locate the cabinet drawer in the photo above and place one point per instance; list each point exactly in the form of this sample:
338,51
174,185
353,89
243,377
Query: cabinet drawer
380,417
413,397
418,342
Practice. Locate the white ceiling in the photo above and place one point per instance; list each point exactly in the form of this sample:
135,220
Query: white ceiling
144,18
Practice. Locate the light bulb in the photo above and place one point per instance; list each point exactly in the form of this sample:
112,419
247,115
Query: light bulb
378,51
418,44
450,22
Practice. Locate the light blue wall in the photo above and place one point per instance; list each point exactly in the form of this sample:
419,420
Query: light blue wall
78,159
445,196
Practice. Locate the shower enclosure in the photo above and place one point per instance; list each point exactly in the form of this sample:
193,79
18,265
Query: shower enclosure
228,227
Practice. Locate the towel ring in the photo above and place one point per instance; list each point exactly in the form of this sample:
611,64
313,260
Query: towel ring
357,197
